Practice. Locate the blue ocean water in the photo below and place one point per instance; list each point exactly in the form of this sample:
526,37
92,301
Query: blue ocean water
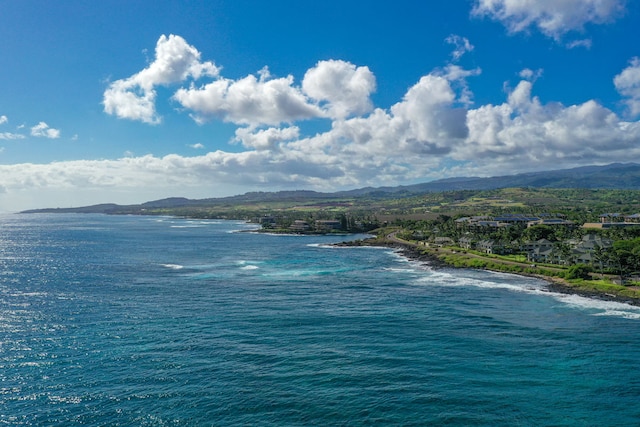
158,321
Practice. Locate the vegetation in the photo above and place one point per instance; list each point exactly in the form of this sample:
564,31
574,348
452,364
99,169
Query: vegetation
429,216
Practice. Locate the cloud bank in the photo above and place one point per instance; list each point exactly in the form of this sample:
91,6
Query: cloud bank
433,131
553,18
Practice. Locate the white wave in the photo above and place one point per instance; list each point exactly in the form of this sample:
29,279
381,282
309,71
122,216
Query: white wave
283,235
598,307
250,267
451,280
592,306
65,399
400,270
244,230
246,261
173,266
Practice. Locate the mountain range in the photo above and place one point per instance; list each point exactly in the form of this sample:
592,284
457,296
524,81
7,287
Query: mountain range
621,176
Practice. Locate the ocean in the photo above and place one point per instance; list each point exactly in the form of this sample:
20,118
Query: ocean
161,321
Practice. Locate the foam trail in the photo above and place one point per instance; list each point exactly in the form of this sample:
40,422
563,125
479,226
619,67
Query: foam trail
173,266
592,306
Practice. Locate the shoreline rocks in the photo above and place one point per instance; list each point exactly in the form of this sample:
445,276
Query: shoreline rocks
555,284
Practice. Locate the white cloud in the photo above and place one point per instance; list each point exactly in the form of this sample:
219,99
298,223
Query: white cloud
553,18
529,74
43,130
586,43
175,61
197,146
462,46
248,101
433,126
3,120
413,140
345,88
528,135
628,85
333,88
266,139
9,135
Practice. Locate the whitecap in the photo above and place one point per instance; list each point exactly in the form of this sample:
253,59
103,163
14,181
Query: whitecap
598,307
250,267
173,266
592,306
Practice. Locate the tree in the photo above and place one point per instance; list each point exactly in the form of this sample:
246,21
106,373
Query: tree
578,271
538,232
563,251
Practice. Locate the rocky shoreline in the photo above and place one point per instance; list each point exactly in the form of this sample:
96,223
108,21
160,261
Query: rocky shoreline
555,284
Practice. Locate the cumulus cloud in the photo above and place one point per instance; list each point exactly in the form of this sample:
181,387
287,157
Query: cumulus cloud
249,101
524,133
553,18
175,61
344,88
266,139
331,89
3,120
628,85
43,130
197,146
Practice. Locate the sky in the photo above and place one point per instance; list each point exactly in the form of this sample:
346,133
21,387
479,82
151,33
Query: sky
132,101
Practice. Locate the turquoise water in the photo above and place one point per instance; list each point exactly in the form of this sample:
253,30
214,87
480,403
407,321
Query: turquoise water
155,321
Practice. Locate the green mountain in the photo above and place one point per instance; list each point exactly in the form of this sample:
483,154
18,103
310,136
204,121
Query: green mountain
619,176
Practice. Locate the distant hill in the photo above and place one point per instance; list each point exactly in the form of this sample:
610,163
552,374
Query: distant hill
621,176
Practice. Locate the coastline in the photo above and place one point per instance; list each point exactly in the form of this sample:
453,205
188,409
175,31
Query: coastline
555,284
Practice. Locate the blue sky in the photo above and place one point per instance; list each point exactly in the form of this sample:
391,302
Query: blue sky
120,101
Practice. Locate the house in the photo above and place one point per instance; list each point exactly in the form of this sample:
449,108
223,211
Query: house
530,245
487,224
583,257
299,226
585,251
550,222
516,218
544,255
466,242
539,250
590,242
267,221
469,220
635,218
442,241
328,225
492,247
611,217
